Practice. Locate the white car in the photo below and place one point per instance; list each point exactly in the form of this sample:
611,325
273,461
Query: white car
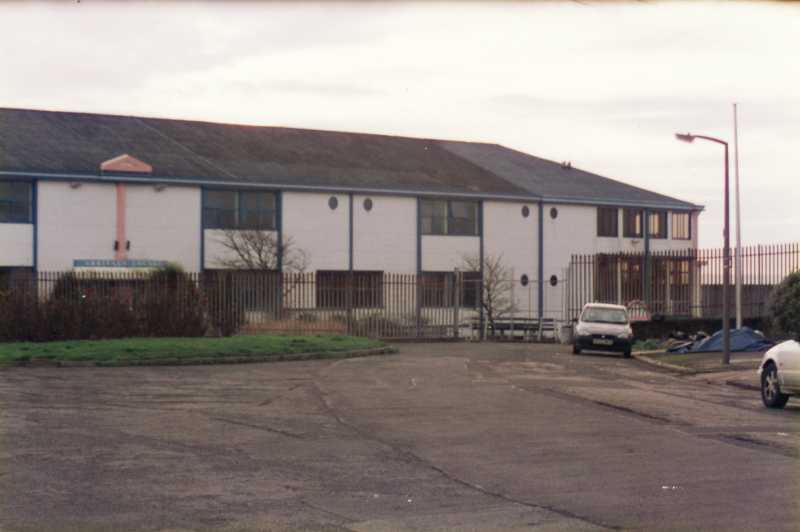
603,327
780,374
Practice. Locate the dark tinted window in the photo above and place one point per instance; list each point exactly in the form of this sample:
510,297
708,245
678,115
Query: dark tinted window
439,289
15,202
231,209
443,217
607,221
632,223
336,289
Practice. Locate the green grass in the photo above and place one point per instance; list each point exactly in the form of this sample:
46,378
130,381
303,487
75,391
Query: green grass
705,360
155,349
647,345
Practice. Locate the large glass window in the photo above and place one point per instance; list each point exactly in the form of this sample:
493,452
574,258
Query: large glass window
632,223
657,224
15,202
334,288
448,217
231,209
439,289
257,210
608,221
681,226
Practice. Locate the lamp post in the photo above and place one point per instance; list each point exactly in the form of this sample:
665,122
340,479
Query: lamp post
726,253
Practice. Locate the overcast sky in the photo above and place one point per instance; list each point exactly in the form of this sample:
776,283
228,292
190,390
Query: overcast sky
604,86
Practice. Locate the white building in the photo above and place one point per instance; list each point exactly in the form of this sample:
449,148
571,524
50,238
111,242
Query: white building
82,190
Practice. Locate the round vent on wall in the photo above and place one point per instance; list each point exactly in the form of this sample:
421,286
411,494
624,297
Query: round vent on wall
553,213
333,203
526,211
524,280
553,280
368,204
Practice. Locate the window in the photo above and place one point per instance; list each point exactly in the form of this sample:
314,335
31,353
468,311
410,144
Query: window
657,224
632,223
254,290
335,287
256,210
15,202
443,217
681,226
608,221
439,289
231,209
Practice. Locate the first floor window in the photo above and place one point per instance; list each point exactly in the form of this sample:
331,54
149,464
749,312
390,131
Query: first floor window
239,209
657,224
16,202
681,226
441,289
607,221
337,289
632,223
449,217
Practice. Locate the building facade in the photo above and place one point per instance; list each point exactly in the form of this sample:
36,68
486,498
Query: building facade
80,191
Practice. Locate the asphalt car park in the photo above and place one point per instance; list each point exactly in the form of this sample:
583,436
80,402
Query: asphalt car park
441,436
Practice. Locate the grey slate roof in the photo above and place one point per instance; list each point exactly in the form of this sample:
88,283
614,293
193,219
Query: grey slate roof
552,181
47,142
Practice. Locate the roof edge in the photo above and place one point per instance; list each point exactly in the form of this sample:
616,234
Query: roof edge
150,179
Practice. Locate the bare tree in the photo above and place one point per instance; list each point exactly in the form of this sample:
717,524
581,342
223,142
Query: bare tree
259,250
498,300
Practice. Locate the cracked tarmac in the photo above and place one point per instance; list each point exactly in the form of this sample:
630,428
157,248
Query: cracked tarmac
440,437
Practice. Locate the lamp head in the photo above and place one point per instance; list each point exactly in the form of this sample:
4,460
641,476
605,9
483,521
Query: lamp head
685,137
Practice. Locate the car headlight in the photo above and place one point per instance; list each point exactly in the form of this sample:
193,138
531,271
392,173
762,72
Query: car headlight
626,334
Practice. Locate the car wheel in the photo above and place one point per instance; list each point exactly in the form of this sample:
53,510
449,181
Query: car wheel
627,353
575,349
771,388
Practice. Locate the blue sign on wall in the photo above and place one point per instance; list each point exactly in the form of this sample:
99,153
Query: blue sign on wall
110,263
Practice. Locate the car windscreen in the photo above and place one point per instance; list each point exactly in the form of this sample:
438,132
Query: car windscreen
604,315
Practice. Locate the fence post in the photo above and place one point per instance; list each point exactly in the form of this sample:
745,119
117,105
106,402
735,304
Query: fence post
456,281
349,301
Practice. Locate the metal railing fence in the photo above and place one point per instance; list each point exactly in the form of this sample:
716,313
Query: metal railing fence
686,283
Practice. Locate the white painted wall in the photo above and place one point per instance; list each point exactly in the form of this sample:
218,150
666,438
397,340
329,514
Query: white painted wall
164,225
323,233
75,223
516,238
445,253
16,244
385,238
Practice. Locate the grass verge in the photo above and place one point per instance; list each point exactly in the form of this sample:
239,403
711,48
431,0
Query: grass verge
181,350
705,361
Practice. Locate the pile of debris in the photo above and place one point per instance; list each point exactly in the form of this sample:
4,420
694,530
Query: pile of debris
744,339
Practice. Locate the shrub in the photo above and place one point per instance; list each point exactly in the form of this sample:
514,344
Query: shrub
171,305
783,307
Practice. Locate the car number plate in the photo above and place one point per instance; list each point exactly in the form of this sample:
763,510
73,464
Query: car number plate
602,341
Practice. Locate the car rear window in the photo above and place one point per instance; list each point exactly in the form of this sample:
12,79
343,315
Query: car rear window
604,315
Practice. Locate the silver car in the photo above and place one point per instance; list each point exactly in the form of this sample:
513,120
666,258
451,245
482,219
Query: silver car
780,374
603,327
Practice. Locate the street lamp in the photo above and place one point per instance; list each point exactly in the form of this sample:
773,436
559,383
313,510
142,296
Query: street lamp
726,253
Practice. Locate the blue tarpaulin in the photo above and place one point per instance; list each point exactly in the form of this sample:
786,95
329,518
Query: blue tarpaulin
744,339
